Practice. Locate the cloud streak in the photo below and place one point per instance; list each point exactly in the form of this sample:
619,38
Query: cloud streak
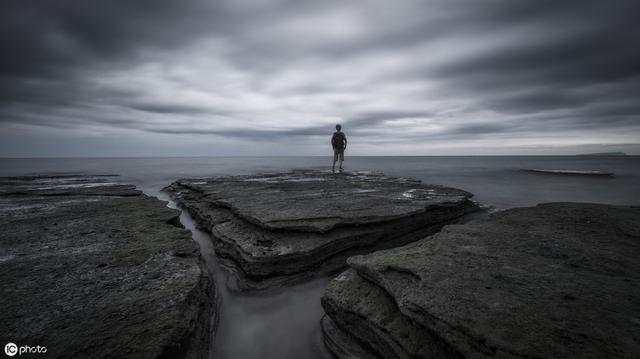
422,75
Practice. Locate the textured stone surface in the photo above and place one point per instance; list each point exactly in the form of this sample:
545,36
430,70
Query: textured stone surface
552,281
281,227
93,269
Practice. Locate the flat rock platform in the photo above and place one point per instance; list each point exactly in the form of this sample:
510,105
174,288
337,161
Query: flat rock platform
557,280
272,229
95,269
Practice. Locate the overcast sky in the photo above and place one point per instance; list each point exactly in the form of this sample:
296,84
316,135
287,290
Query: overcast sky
272,77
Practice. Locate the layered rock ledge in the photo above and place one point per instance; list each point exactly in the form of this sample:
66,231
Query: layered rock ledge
557,280
95,269
272,229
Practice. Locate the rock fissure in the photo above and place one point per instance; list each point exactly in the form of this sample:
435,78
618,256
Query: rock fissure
518,284
270,234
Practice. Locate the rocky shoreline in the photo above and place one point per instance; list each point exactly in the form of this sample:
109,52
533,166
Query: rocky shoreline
95,269
274,229
553,281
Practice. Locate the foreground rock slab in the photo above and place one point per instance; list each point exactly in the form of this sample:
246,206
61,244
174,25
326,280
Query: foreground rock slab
552,281
276,228
94,269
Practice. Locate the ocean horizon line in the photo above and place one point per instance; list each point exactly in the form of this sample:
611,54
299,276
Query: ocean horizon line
307,156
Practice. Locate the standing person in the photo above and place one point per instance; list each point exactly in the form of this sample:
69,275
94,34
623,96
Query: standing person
339,144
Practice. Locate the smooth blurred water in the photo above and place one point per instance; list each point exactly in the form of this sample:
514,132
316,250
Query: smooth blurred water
285,323
495,180
282,323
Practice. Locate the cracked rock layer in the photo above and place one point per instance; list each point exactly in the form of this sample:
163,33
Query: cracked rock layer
277,228
557,280
94,269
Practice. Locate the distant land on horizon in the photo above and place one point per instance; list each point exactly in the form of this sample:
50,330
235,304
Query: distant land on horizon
603,154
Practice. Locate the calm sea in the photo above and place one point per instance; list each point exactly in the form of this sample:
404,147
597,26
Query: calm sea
495,180
285,323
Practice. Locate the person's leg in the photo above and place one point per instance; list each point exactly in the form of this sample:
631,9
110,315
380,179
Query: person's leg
335,158
341,160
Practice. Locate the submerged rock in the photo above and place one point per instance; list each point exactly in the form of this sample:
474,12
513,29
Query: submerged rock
569,172
94,269
553,281
276,228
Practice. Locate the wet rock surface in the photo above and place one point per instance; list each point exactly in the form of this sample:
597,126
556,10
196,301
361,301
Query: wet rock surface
94,269
273,229
557,280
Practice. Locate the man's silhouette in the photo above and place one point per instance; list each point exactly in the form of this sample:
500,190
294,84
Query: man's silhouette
339,144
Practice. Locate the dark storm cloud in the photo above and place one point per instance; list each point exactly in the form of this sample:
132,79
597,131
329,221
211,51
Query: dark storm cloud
269,69
480,129
574,48
174,108
355,125
50,37
49,46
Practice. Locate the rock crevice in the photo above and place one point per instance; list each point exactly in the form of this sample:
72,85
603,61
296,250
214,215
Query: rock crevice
551,281
278,228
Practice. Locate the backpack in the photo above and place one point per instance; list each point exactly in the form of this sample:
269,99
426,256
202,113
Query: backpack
337,141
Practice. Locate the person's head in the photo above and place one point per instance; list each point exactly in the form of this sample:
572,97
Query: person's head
338,127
